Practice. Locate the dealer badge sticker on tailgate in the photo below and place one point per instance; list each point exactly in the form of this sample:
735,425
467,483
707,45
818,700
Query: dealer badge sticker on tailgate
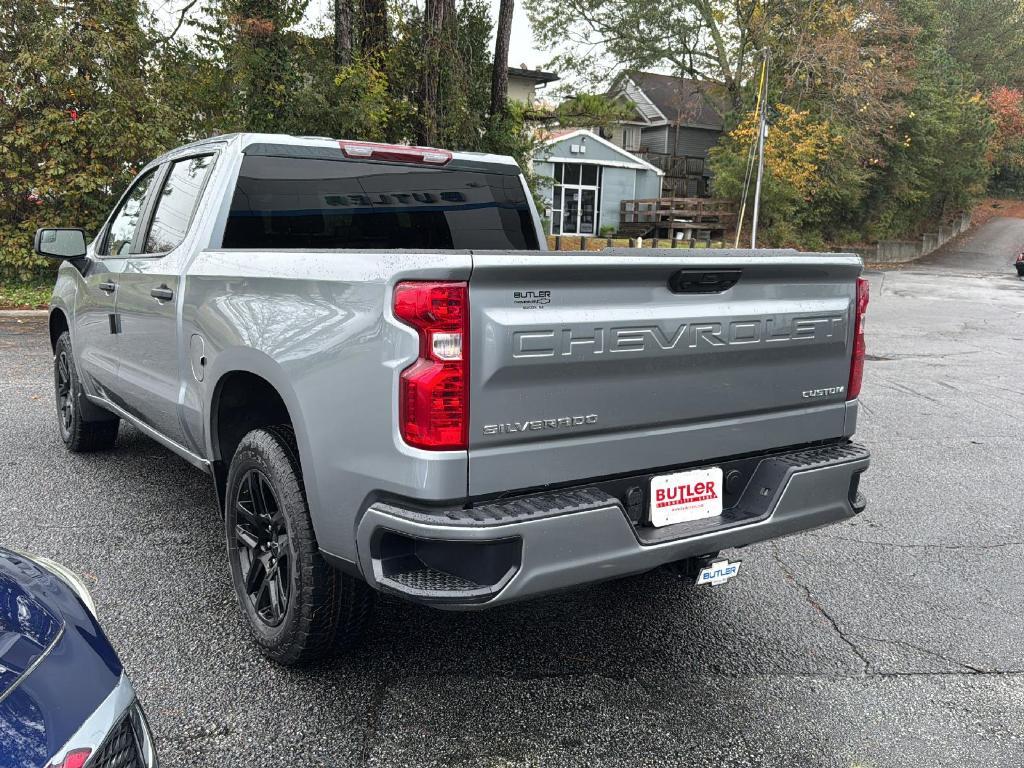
686,496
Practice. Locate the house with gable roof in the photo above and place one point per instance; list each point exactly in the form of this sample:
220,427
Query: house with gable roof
675,122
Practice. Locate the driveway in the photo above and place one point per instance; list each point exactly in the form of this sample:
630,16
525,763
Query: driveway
991,248
892,640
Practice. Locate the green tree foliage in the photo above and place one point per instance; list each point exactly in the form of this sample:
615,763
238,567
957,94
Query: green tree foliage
986,39
252,67
592,110
253,40
806,183
454,63
936,164
77,116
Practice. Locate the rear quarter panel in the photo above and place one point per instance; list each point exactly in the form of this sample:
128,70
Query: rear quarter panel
332,349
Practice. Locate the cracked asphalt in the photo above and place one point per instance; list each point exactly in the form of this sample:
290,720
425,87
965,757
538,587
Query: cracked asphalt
896,639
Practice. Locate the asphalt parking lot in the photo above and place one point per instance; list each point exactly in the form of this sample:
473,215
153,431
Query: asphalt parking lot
894,640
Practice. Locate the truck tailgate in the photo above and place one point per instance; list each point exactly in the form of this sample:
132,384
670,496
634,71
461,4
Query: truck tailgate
585,365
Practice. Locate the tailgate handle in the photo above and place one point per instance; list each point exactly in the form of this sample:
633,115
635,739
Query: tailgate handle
703,280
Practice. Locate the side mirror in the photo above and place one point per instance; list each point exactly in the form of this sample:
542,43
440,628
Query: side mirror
60,243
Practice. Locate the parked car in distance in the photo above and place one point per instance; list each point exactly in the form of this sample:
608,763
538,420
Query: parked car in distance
395,387
65,701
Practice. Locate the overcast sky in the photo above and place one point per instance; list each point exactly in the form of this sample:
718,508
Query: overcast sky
521,49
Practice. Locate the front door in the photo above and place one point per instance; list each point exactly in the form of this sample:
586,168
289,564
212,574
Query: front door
575,199
149,374
95,335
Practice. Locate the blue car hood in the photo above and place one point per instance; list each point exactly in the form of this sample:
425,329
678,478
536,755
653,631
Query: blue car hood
56,665
27,628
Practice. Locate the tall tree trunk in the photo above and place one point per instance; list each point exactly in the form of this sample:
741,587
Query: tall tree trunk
434,22
499,73
375,34
342,33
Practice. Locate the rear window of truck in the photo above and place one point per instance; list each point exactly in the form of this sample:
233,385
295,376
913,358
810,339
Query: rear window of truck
294,202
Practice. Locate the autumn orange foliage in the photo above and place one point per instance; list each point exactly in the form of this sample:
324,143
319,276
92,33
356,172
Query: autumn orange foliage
1006,147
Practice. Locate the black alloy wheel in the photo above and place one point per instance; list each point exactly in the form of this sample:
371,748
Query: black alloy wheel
83,427
65,399
298,607
264,550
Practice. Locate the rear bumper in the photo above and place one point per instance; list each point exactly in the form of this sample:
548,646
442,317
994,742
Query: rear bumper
509,550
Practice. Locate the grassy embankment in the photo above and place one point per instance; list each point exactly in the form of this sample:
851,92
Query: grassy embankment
35,295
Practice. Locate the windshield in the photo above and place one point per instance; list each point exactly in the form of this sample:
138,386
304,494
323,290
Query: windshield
290,202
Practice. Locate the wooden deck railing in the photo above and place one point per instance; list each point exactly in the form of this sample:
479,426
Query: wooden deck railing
677,212
675,165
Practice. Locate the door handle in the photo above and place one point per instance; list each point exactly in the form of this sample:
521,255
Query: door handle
163,293
107,287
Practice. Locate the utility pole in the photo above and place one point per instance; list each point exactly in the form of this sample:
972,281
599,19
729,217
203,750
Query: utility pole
762,133
756,150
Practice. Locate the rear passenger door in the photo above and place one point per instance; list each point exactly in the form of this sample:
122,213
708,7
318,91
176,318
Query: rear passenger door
149,350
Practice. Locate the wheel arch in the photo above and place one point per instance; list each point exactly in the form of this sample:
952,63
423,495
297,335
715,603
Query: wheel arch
58,322
251,391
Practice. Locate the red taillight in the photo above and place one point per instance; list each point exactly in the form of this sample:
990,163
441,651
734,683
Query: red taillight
74,759
859,345
397,153
434,391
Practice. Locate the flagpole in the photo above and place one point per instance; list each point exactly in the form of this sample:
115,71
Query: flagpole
762,129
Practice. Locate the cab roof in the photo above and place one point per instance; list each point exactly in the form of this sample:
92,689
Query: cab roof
327,148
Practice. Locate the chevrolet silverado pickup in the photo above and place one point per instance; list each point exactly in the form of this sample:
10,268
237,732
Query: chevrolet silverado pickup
396,388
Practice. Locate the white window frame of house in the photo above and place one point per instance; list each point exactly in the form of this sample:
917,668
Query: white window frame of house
631,136
558,196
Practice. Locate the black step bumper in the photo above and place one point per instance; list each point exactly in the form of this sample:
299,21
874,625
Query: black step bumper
512,549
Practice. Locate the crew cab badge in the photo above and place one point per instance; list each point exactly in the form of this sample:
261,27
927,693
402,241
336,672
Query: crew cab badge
718,573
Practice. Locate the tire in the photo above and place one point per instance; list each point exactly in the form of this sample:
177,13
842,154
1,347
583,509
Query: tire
80,435
298,607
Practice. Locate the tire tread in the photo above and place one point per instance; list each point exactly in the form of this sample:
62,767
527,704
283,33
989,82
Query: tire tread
85,436
334,608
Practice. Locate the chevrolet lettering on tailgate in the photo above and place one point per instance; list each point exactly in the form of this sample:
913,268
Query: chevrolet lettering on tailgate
566,342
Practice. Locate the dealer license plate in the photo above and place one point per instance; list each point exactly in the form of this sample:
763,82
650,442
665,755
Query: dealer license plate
684,496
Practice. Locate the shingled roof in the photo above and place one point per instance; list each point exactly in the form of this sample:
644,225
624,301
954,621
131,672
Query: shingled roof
679,100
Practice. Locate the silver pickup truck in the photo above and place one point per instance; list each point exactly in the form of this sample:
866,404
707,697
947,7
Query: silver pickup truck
396,388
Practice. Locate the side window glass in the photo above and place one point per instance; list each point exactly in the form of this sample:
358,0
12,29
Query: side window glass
126,220
176,203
